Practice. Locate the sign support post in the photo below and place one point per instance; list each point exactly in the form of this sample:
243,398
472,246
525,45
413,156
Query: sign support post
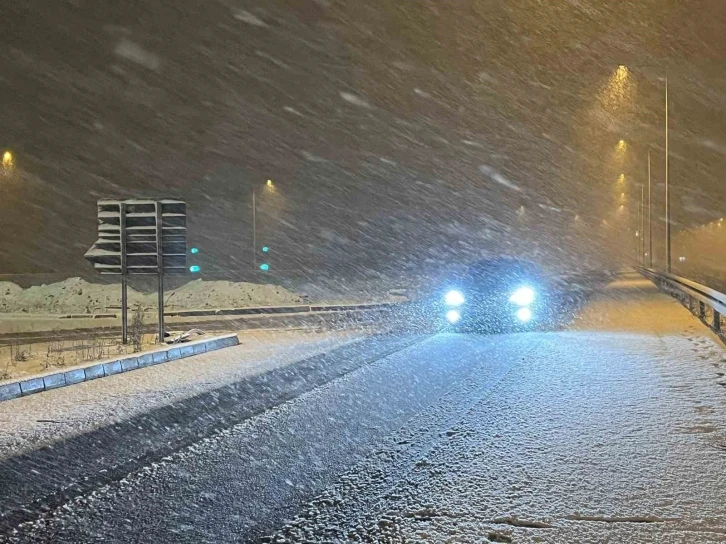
160,266
124,280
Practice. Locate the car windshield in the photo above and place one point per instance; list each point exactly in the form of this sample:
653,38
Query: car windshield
381,271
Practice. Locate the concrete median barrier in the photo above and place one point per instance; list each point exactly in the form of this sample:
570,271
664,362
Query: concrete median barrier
53,380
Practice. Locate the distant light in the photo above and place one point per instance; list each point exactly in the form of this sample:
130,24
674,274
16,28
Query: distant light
524,296
637,233
194,250
269,183
265,249
454,298
621,178
8,159
453,316
681,259
577,217
524,315
264,267
194,269
622,145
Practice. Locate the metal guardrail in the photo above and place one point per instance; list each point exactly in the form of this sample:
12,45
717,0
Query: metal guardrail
691,292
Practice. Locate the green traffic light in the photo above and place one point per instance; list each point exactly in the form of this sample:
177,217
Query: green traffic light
264,267
194,250
194,269
265,249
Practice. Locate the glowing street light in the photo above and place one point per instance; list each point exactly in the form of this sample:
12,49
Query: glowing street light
8,160
269,187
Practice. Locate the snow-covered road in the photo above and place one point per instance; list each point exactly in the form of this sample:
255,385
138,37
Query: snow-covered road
611,431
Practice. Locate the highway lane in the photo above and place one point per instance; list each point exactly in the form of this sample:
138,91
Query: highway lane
265,467
340,457
70,441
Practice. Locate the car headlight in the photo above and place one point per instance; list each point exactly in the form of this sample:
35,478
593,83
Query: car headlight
454,298
524,296
524,314
453,316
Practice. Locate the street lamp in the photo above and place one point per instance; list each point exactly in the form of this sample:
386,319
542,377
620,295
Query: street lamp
270,186
650,223
667,199
621,75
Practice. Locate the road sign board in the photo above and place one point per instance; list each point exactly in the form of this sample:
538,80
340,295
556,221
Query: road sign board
140,236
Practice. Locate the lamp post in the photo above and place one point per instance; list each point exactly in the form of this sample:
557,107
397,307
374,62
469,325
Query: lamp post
667,196
641,242
254,230
650,223
621,74
271,188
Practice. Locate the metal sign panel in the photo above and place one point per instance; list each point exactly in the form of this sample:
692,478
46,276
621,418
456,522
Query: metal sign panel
140,237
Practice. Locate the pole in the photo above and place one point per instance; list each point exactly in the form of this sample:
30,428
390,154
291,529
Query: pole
254,231
667,196
650,224
642,224
124,279
160,266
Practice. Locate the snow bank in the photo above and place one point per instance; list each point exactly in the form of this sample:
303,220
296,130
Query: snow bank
75,295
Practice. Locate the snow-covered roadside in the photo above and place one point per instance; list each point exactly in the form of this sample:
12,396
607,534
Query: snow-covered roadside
614,431
37,420
77,296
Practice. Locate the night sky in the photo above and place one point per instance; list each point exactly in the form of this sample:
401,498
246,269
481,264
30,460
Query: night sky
400,136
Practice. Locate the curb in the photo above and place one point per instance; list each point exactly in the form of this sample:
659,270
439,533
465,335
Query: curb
78,374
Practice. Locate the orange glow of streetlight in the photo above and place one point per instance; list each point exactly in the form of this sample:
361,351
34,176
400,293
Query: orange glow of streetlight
622,145
621,178
269,183
8,159
619,91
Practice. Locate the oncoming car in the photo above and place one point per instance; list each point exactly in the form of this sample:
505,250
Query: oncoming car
495,295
